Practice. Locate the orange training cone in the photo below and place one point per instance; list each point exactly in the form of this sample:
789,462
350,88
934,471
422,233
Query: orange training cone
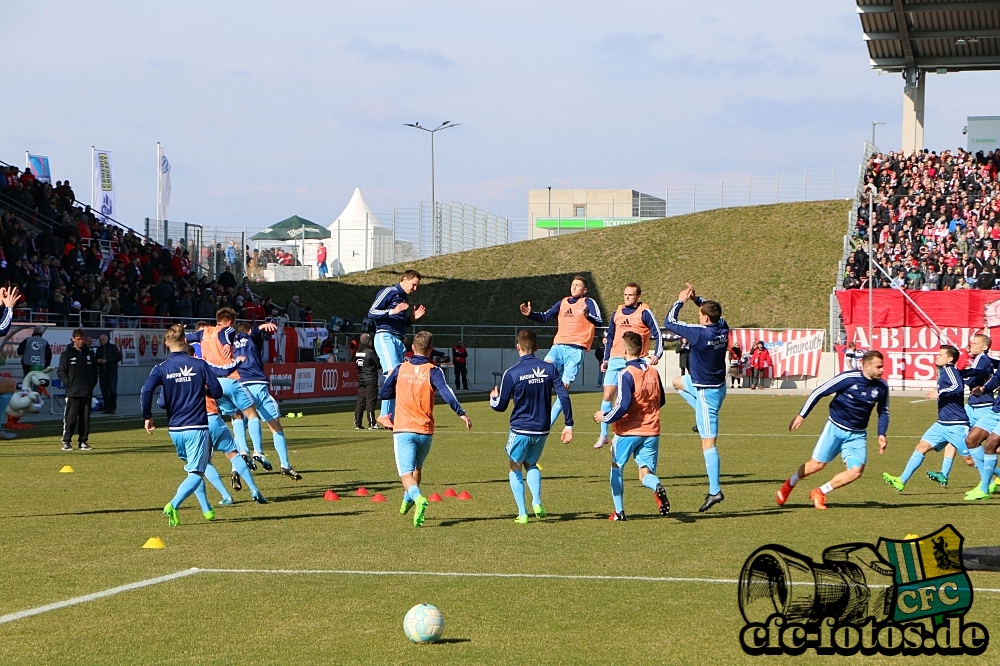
362,492
464,495
330,496
378,497
434,498
450,493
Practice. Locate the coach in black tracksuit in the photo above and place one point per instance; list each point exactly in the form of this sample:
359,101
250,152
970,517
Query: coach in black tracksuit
369,368
78,372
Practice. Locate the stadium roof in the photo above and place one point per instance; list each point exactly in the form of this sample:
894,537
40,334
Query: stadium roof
931,35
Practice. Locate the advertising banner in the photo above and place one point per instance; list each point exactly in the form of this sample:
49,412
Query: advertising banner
102,196
39,166
794,352
908,339
126,342
312,380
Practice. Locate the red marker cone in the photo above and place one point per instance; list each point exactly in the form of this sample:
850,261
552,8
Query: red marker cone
450,493
362,492
378,497
464,495
330,496
434,498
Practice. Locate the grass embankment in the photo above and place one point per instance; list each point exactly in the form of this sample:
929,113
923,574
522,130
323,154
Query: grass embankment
769,266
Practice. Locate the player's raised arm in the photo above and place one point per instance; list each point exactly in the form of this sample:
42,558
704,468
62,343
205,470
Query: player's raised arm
380,306
542,317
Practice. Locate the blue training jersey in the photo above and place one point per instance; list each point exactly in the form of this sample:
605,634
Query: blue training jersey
626,389
854,398
385,321
6,317
708,362
247,350
977,374
185,381
655,339
951,397
530,383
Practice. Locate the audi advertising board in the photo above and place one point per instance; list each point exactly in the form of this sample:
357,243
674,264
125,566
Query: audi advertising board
312,380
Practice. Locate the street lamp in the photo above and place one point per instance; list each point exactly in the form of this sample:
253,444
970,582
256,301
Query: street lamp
445,125
873,131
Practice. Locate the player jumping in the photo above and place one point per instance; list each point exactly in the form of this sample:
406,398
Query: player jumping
530,383
412,384
856,394
636,419
577,318
952,425
632,315
390,312
704,387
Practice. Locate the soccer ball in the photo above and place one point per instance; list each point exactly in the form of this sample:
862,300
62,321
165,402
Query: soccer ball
423,624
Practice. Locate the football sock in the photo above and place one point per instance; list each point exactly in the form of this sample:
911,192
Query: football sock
240,467
916,459
517,488
212,476
535,484
826,489
556,411
185,489
202,497
240,435
617,489
794,479
651,481
977,457
986,472
256,436
281,447
712,467
412,493
605,407
946,464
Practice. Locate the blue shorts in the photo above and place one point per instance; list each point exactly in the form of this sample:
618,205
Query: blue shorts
939,435
988,420
706,403
219,435
390,350
411,450
568,361
615,366
192,447
645,450
975,412
525,448
851,445
234,397
267,406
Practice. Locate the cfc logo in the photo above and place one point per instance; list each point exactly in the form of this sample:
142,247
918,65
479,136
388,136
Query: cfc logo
330,380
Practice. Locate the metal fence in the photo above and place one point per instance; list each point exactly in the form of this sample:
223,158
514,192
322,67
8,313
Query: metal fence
211,249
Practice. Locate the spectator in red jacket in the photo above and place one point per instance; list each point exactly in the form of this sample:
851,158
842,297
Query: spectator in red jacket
760,361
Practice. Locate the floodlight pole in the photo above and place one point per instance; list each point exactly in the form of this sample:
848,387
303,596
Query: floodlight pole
445,125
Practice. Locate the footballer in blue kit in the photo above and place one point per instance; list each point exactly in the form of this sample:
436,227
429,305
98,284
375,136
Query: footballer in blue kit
186,381
390,312
530,383
983,447
952,425
247,345
704,388
855,395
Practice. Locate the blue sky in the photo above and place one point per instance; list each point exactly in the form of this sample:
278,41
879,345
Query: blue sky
272,109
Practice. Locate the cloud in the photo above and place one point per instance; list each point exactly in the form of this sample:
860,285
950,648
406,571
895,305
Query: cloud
395,53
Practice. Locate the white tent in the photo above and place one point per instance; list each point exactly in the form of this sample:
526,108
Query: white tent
358,239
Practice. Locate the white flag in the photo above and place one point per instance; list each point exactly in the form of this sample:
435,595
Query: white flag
162,185
102,195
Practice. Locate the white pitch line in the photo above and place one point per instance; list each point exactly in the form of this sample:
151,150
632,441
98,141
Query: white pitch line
96,595
473,574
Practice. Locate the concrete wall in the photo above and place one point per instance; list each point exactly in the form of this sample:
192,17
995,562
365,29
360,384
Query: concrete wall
596,203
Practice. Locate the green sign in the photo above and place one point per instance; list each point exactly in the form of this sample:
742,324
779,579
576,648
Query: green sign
583,222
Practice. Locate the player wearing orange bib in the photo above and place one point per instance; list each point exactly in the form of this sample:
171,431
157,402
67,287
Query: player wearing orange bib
578,317
636,419
633,315
412,384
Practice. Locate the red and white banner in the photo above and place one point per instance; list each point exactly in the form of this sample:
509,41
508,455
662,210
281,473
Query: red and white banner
290,381
794,352
908,339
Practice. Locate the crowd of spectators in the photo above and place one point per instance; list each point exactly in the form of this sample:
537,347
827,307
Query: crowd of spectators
70,265
935,222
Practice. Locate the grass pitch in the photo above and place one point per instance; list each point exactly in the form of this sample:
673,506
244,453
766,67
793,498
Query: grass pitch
66,535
